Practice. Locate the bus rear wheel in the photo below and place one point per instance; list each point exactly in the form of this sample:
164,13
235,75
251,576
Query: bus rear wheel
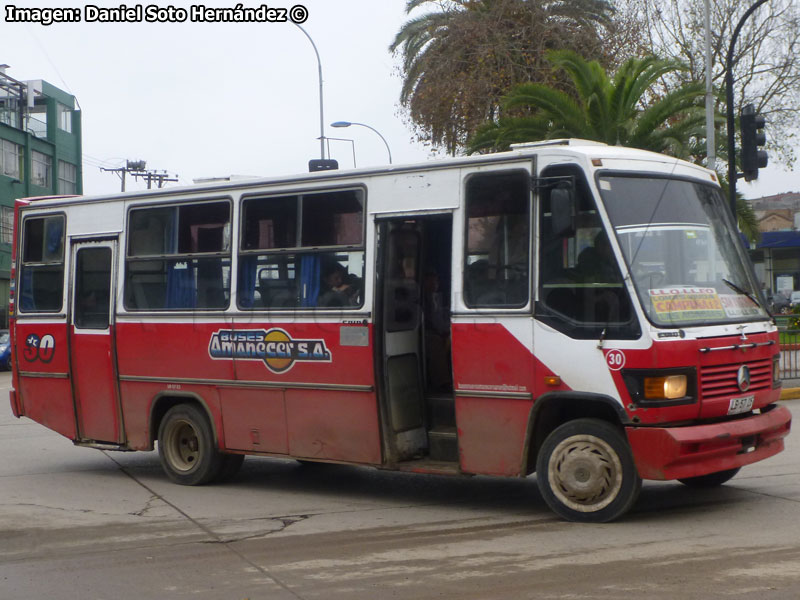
186,446
586,473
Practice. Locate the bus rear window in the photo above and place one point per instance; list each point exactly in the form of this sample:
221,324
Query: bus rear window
42,268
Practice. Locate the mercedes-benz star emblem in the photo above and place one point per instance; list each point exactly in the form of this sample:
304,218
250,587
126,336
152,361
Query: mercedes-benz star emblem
743,378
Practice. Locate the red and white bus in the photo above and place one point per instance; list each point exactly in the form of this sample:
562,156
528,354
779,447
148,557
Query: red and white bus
572,309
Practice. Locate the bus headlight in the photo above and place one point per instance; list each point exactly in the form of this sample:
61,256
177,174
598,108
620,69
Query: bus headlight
670,387
776,371
661,387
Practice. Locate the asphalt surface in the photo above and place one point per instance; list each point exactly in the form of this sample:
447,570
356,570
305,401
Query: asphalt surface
81,523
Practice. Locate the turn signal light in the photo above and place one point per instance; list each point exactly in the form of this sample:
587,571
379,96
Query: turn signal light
670,387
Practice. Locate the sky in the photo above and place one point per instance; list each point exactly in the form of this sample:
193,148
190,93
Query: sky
204,100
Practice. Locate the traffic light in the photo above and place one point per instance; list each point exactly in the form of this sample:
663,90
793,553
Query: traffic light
751,125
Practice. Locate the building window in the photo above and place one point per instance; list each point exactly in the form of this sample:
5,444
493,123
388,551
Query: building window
67,178
64,118
10,159
6,224
41,169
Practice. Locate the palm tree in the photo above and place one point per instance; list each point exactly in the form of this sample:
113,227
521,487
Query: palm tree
459,58
620,110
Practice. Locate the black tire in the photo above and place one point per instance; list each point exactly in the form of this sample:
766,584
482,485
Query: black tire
585,472
186,446
710,480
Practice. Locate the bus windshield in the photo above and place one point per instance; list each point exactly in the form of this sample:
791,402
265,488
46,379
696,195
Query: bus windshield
687,266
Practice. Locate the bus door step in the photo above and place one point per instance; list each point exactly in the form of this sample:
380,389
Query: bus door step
102,445
441,410
443,444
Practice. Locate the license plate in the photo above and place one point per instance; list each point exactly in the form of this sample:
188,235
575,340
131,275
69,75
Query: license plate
741,405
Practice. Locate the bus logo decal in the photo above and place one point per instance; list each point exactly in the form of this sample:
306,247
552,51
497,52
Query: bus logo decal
275,347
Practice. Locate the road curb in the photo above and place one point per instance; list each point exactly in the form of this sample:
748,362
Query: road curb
792,393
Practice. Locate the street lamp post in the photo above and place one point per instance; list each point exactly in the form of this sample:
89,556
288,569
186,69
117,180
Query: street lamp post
321,118
349,123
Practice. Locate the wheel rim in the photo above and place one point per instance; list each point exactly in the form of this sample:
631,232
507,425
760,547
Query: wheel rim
182,448
585,473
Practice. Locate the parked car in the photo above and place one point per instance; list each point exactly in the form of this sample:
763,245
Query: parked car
779,303
794,299
5,350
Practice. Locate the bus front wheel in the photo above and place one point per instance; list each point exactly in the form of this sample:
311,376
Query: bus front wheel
586,473
186,446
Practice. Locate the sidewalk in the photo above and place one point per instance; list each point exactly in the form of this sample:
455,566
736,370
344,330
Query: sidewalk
791,389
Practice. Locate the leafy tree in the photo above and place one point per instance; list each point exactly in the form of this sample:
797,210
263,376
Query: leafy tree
745,216
619,110
460,56
766,58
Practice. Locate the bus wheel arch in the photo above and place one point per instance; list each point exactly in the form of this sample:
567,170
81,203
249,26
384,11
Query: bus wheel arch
554,409
164,401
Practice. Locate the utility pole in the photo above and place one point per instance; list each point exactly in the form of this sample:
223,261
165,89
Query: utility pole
151,176
130,167
137,169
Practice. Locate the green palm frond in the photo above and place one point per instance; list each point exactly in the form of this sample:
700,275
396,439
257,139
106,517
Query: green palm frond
622,109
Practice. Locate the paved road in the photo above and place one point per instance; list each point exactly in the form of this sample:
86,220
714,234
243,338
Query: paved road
81,523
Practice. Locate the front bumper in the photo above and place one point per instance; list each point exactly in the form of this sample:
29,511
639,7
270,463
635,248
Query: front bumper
678,452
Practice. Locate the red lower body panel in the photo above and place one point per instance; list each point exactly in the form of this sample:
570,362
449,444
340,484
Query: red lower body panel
491,434
678,452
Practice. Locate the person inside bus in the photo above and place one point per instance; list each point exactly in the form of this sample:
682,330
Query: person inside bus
597,266
596,263
338,287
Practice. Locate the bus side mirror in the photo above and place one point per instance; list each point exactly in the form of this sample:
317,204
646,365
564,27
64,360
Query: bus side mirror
562,209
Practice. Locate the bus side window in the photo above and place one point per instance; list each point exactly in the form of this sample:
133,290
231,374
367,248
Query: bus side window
302,251
498,240
42,268
179,257
581,290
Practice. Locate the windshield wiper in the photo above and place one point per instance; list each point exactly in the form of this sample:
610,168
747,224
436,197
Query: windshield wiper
743,292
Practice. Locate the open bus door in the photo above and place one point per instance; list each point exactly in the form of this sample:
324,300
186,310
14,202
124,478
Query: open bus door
400,247
91,339
416,382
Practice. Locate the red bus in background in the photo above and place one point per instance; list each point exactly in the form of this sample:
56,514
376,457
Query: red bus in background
572,309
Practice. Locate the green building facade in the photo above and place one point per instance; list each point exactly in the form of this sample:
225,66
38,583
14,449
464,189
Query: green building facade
40,155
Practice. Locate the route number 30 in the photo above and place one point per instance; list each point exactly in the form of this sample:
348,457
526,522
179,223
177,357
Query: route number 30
39,348
615,360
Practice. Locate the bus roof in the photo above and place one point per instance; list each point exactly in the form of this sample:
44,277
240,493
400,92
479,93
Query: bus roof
598,153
